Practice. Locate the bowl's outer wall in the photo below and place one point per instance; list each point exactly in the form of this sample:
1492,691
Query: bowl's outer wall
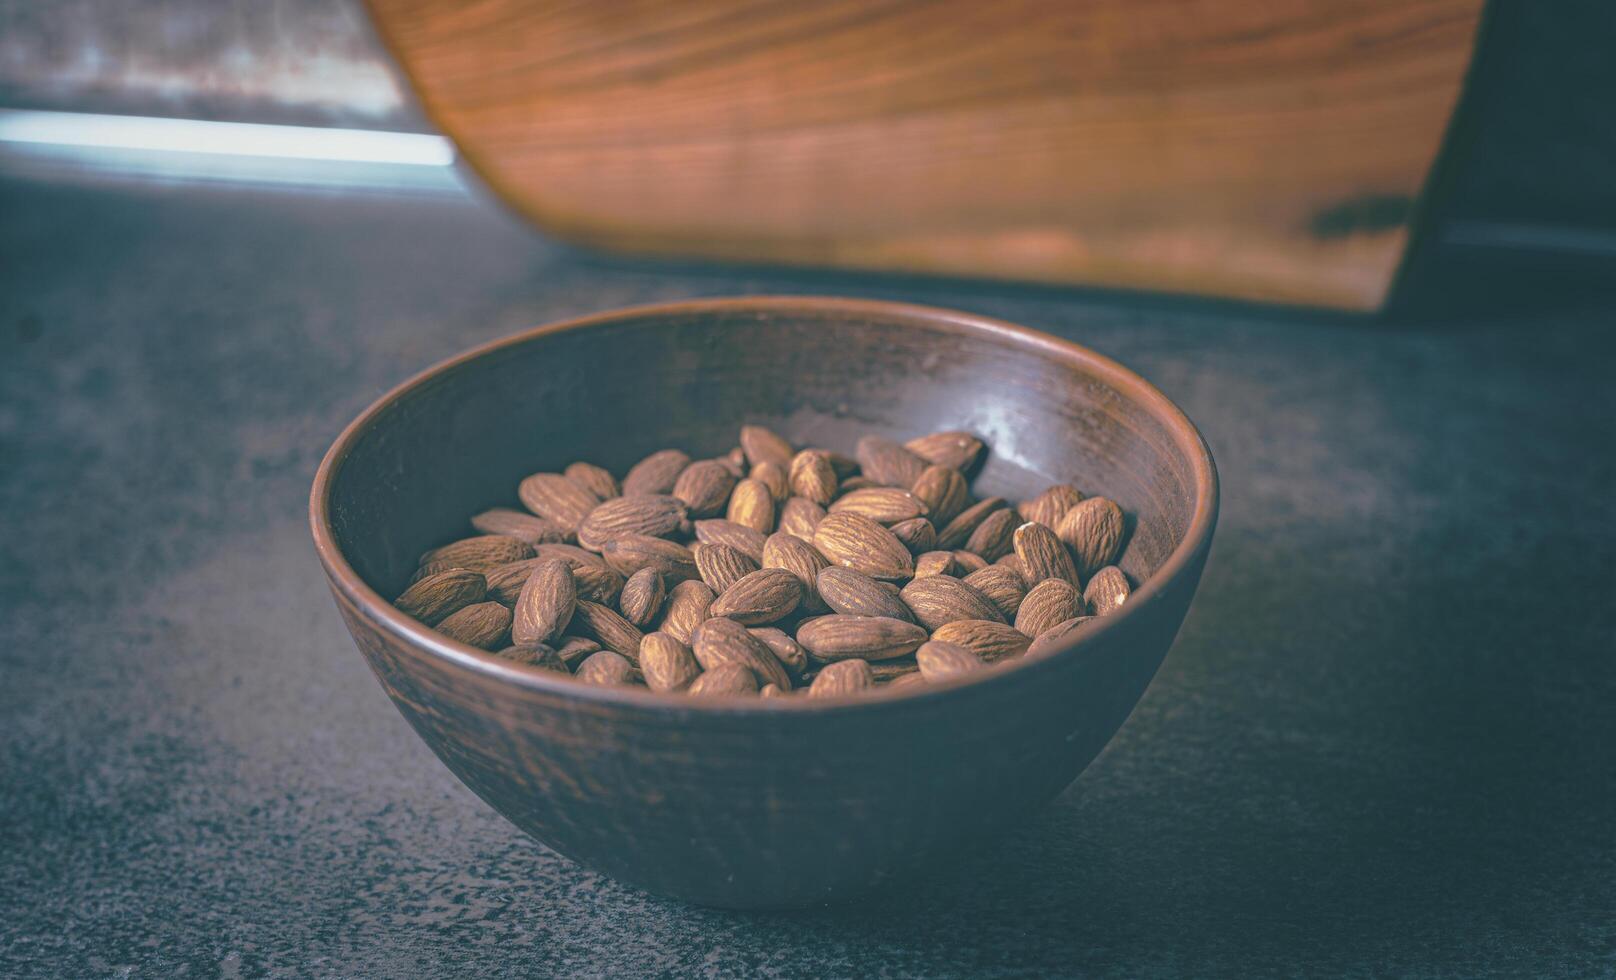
760,808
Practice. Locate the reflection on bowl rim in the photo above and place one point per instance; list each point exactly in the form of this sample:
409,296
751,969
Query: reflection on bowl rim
381,612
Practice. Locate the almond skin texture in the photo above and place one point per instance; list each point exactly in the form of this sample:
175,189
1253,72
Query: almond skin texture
656,473
941,661
606,627
519,525
883,505
939,599
556,498
704,487
888,463
861,544
1003,588
995,536
545,605
759,597
724,641
1093,530
856,594
773,476
752,505
574,649
954,449
434,598
482,624
1013,562
1043,556
596,479
913,679
831,638
642,597
969,561
687,607
1057,636
1050,506
743,539
728,680
667,664
935,563
786,650
480,553
1107,591
989,640
800,558
812,477
654,515
539,656
628,553
763,445
944,493
721,566
608,668
1050,602
918,535
954,535
842,679
799,517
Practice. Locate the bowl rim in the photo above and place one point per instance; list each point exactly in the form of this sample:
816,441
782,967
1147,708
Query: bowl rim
381,613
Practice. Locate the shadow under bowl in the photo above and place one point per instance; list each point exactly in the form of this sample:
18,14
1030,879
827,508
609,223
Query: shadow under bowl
749,803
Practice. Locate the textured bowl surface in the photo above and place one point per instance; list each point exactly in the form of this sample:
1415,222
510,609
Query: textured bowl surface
751,802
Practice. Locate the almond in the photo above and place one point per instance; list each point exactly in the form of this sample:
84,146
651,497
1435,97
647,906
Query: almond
574,649
545,604
479,553
902,681
668,665
841,637
608,668
1003,588
941,661
743,539
735,459
939,599
721,641
721,566
1107,591
856,594
799,517
593,478
1013,562
935,563
556,498
704,486
642,597
812,477
943,491
969,561
884,505
519,525
773,476
759,597
628,553
770,691
786,650
995,536
481,624
762,445
654,515
842,679
888,670
800,558
599,623
728,680
1043,556
888,463
844,466
1050,506
595,579
538,656
688,606
1093,530
954,449
859,543
751,505
958,531
656,473
1050,602
437,596
988,639
918,534
1058,637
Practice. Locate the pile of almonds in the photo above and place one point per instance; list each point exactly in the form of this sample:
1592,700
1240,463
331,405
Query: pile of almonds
769,570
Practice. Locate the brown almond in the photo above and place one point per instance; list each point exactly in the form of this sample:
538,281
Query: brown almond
1002,586
1107,591
1043,556
437,596
751,505
721,566
799,516
759,597
839,637
519,525
574,649
773,476
988,639
954,449
995,536
786,650
1058,636
1013,562
935,563
941,661
704,486
944,493
763,445
642,597
556,498
596,580
939,599
958,531
608,668
844,466
687,607
856,542
884,505
1050,506
537,656
856,594
860,482
481,624
651,514
969,561
545,604
842,679
1049,602
656,473
888,463
479,553
728,680
628,553
1093,530
918,534
596,479
812,477
735,459
887,670
903,681
720,641
801,559
607,628
668,665
770,691
717,530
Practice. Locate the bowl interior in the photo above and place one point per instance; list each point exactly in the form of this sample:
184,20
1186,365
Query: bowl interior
611,389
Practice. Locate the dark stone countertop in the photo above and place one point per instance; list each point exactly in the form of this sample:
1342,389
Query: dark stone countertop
1384,744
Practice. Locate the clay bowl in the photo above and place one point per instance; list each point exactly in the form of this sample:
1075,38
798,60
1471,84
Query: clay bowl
760,803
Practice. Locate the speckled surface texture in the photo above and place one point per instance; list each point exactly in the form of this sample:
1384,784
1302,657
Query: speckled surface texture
1383,745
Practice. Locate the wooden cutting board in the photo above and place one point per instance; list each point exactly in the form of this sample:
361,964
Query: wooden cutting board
1261,149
